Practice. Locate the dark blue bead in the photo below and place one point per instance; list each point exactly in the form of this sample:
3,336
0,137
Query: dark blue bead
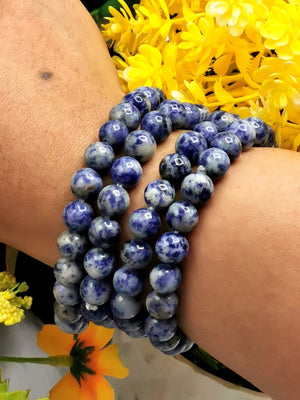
113,201
138,334
160,329
127,281
86,183
191,144
96,313
215,161
136,253
161,306
98,263
162,96
124,306
197,188
152,94
99,156
158,124
77,215
271,137
167,345
175,111
126,171
174,167
132,324
171,247
68,272
159,194
222,119
113,133
165,278
126,113
261,130
139,100
182,216
67,313
192,115
67,295
244,131
203,111
140,145
104,232
94,291
144,223
72,244
208,129
72,328
229,143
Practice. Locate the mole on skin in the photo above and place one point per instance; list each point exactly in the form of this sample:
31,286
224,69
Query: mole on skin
45,75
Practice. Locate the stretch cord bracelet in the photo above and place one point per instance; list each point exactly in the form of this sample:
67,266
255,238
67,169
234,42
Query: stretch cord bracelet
89,285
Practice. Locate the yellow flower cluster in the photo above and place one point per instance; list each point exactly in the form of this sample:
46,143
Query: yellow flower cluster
11,305
241,56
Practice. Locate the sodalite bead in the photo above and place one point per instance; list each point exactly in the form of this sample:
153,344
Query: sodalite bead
96,314
124,306
161,306
244,131
72,328
203,112
67,313
139,100
167,345
98,263
159,194
113,201
160,329
132,324
191,145
171,247
184,345
162,96
229,143
158,124
261,130
127,113
136,253
174,167
127,281
152,94
140,145
71,244
144,223
77,215
222,119
67,295
99,156
67,272
126,171
182,216
113,133
197,188
271,137
86,183
215,161
104,232
208,129
165,278
192,115
94,291
140,333
175,111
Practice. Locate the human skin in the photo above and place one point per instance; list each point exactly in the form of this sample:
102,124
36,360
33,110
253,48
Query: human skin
240,296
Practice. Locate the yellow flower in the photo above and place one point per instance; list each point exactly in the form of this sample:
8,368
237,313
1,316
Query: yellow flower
92,359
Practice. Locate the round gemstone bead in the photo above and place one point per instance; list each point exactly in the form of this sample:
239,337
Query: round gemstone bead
160,329
159,194
152,94
69,327
67,313
138,99
104,232
127,113
86,183
140,145
108,323
229,143
126,171
165,278
208,129
140,333
67,295
144,223
132,324
113,201
191,144
124,306
174,167
197,188
68,272
171,247
94,291
136,253
192,115
77,215
184,345
222,119
244,131
175,111
182,216
161,306
114,134
127,281
98,263
271,137
158,124
261,130
215,161
99,156
162,96
203,112
71,244
167,345
96,313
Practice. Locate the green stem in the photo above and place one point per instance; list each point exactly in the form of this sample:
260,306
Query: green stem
55,361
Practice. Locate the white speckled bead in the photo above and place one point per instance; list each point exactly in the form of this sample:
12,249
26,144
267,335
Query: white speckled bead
71,244
95,291
67,295
71,327
140,145
126,171
86,183
99,156
159,194
171,247
165,278
182,216
98,263
104,232
215,161
113,201
68,272
144,223
197,188
124,306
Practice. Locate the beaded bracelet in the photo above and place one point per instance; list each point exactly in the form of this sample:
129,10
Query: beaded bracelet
91,285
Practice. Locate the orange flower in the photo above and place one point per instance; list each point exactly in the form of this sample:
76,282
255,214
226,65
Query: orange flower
92,359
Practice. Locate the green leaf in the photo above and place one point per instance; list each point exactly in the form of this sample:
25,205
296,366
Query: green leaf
16,395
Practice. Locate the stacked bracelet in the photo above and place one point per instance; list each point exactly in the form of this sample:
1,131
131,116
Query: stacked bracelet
92,282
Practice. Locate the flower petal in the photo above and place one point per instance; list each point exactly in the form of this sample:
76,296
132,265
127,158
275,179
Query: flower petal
107,362
66,388
96,336
53,341
95,387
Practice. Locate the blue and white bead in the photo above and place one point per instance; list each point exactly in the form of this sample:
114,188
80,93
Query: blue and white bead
158,124
175,111
68,272
97,314
144,223
139,100
113,133
127,281
152,94
113,201
67,313
136,253
171,247
184,345
98,264
67,295
124,306
127,113
192,115
261,130
244,131
271,138
77,215
126,171
167,345
160,329
191,144
95,291
69,327
182,216
203,112
140,145
215,161
104,232
131,324
174,167
99,156
159,194
222,119
162,306
165,278
72,244
228,142
197,188
86,183
207,129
